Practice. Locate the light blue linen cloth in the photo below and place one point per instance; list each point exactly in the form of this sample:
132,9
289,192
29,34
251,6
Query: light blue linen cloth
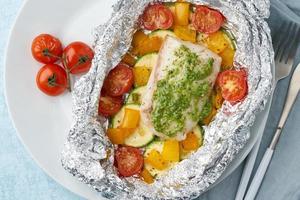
21,178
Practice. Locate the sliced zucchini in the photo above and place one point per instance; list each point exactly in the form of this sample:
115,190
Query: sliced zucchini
162,34
148,61
157,145
135,97
230,37
199,133
117,119
141,136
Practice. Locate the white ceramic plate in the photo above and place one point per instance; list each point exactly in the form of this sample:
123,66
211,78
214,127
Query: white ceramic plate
41,121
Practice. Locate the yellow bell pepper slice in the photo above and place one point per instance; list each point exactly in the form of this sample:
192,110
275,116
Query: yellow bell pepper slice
191,142
141,76
131,119
118,135
216,42
185,33
227,58
156,160
138,38
148,45
182,13
146,176
171,150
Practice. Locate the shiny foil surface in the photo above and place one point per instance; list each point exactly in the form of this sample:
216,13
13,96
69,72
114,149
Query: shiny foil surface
88,153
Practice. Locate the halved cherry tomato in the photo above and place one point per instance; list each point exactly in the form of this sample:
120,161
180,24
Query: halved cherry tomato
119,80
129,161
78,57
109,106
207,20
52,79
233,85
157,16
46,49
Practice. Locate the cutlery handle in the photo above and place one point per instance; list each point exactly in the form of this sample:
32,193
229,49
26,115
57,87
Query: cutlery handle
248,170
259,175
289,102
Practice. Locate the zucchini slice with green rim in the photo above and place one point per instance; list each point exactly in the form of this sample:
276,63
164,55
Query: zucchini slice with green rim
117,119
148,61
162,33
230,37
142,134
136,95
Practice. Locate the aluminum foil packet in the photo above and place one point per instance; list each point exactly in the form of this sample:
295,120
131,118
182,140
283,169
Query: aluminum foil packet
88,154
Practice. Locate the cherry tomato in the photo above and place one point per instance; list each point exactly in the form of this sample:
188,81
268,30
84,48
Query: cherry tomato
78,57
119,80
46,49
233,85
129,161
157,16
207,20
109,106
52,79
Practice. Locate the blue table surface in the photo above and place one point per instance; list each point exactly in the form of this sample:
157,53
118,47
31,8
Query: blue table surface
21,178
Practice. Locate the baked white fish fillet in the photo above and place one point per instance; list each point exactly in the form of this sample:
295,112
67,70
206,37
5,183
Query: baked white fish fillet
178,88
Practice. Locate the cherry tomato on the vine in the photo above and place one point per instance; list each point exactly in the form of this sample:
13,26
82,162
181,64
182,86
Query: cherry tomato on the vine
78,57
46,49
52,79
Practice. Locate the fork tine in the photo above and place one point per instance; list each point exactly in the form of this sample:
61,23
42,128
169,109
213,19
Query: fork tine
276,36
286,41
291,51
279,37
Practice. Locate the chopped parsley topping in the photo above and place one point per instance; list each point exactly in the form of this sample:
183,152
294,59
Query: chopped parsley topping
177,95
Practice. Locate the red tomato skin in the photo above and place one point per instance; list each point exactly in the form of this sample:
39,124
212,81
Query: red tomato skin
46,72
45,42
72,55
129,160
240,80
119,80
201,23
157,16
109,106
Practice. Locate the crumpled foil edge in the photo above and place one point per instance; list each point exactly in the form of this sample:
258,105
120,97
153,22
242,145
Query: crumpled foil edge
88,154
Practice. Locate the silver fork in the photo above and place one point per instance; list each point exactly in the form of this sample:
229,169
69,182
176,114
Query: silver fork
285,45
